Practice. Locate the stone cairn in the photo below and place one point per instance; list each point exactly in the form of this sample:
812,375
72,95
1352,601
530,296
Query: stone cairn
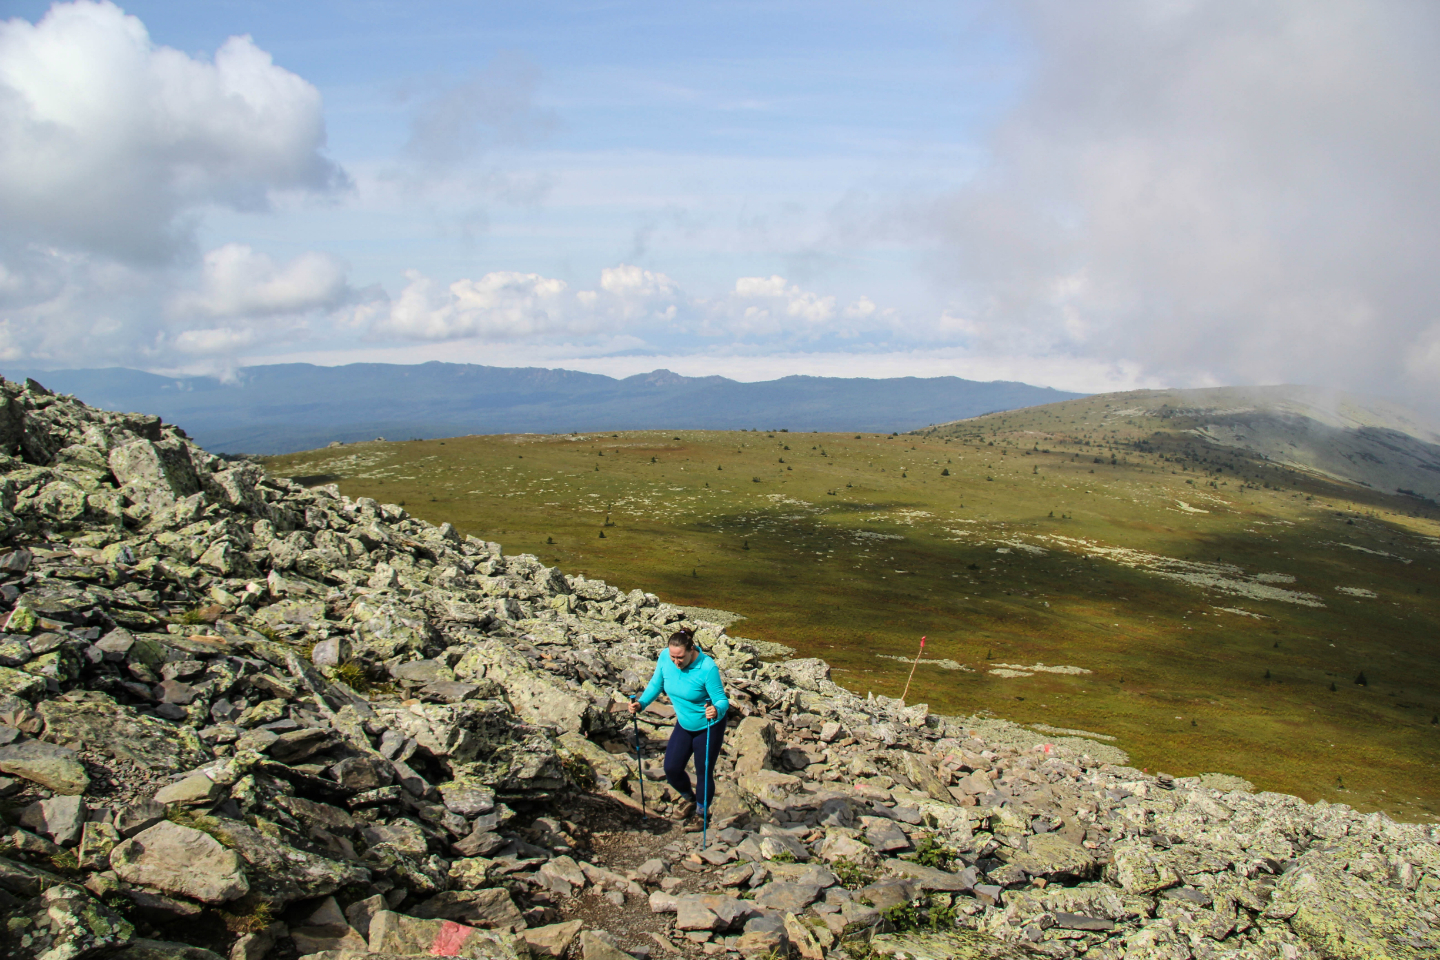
242,717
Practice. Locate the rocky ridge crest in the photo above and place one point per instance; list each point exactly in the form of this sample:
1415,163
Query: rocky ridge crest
243,716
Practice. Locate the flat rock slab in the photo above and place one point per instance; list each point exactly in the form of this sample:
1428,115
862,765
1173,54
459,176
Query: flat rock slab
491,908
595,947
960,945
1055,859
103,726
786,896
396,934
180,860
284,873
552,940
932,878
886,837
54,767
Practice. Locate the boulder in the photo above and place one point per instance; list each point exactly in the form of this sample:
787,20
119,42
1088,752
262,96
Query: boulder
933,878
1139,868
99,724
60,818
180,860
282,873
54,767
1054,858
63,923
552,940
396,934
786,897
489,909
595,947
754,745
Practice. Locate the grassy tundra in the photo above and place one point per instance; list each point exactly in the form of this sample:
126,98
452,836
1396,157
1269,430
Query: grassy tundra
1077,565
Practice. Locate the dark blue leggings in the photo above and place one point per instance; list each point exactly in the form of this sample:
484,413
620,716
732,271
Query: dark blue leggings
683,745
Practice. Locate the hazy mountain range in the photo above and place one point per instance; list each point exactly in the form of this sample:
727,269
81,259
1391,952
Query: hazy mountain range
283,408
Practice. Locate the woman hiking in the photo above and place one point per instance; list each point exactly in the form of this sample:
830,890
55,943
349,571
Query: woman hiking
692,681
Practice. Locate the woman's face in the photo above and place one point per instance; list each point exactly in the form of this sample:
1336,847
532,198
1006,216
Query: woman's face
681,655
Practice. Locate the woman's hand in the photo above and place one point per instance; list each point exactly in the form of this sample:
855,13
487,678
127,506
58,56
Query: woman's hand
710,712
634,706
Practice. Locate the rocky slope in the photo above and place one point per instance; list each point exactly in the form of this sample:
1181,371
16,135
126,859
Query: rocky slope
242,717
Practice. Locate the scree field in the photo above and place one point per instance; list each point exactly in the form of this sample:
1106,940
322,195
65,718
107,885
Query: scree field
1071,567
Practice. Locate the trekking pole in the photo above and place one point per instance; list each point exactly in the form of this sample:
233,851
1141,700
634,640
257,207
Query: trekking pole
639,761
704,794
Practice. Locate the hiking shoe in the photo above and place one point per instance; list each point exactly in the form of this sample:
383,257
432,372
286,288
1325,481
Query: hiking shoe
687,809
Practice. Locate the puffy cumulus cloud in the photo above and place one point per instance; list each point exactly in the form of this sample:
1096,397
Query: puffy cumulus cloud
81,310
772,305
238,281
504,305
629,301
109,143
1241,192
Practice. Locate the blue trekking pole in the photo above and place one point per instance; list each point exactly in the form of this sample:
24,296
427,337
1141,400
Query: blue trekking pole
639,761
704,780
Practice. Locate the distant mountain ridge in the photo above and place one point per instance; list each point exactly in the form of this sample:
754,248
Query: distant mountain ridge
283,408
1359,440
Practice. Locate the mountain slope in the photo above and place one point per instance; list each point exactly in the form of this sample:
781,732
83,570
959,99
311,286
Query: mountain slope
288,407
1327,433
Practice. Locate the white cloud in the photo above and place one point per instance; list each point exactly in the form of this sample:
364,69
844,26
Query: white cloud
108,143
631,281
1238,192
238,281
504,305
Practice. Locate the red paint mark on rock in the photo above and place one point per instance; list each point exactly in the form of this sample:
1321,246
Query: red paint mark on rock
448,941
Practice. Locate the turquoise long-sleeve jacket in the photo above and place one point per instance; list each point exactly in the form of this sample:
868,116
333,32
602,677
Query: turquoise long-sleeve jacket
688,690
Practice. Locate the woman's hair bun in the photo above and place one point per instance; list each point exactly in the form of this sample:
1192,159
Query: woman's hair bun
684,637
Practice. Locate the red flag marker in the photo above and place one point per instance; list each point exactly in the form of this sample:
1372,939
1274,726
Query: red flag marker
912,670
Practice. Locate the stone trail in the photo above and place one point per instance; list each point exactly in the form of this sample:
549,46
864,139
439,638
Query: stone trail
240,717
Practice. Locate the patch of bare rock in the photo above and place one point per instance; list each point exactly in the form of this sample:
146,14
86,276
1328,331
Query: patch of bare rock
240,718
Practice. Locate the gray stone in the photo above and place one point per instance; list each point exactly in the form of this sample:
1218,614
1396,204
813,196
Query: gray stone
60,818
396,934
488,909
180,860
753,741
64,923
138,816
467,799
552,940
595,947
196,790
1055,859
890,893
99,724
141,949
54,767
932,878
1139,868
785,896
885,837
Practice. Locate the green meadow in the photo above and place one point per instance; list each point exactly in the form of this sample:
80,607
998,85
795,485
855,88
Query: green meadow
1076,566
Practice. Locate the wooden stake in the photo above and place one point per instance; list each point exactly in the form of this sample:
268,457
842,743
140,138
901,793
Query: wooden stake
912,670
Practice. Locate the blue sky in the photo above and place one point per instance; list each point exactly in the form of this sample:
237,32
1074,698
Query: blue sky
1089,196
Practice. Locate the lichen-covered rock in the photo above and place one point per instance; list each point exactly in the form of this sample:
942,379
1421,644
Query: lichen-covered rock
97,723
1350,916
63,923
53,767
